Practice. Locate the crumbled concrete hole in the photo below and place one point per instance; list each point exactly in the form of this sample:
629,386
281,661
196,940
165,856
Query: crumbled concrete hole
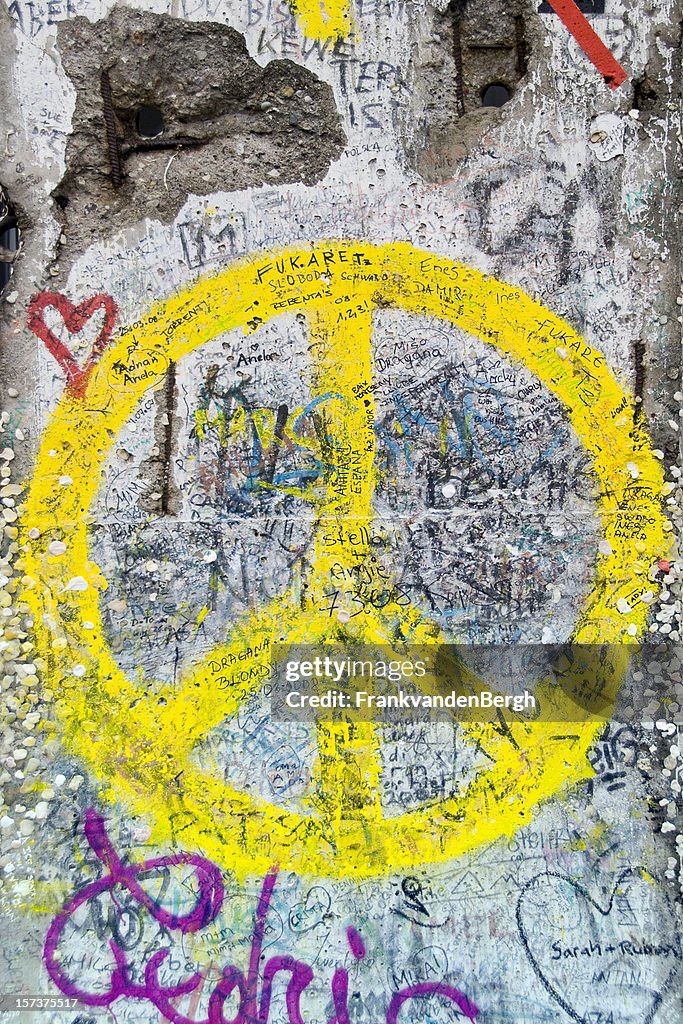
227,122
466,49
10,239
495,95
645,95
149,122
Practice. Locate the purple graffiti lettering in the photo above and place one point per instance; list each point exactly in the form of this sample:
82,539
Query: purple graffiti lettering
253,1008
208,905
431,988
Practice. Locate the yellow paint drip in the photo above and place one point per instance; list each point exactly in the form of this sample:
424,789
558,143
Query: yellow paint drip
138,736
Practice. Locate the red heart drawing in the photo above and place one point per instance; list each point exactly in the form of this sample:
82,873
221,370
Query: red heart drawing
75,318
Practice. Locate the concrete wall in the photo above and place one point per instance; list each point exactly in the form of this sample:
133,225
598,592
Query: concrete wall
340,352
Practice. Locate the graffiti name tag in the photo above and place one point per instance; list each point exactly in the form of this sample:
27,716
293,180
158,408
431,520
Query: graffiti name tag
253,987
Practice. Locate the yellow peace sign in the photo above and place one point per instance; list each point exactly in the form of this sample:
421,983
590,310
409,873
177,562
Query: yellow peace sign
138,738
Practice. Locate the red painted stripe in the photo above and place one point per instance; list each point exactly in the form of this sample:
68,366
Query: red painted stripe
590,42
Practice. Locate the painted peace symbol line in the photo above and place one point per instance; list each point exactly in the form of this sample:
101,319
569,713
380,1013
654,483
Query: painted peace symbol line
137,737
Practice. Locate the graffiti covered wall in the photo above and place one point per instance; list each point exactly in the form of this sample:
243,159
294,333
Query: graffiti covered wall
326,322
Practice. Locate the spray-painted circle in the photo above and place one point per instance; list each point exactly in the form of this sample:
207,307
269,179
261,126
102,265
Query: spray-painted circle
139,739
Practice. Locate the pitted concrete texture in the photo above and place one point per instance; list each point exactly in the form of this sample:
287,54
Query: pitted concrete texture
458,53
229,123
369,353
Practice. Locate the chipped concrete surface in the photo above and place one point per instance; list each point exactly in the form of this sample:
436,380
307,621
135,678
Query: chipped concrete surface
228,123
485,500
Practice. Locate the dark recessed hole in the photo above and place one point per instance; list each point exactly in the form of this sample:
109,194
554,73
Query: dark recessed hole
9,240
495,95
149,122
62,201
644,94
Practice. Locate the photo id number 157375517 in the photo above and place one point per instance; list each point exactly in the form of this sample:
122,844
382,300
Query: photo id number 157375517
18,1002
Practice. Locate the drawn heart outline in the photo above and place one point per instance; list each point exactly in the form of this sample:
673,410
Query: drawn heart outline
75,318
633,873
